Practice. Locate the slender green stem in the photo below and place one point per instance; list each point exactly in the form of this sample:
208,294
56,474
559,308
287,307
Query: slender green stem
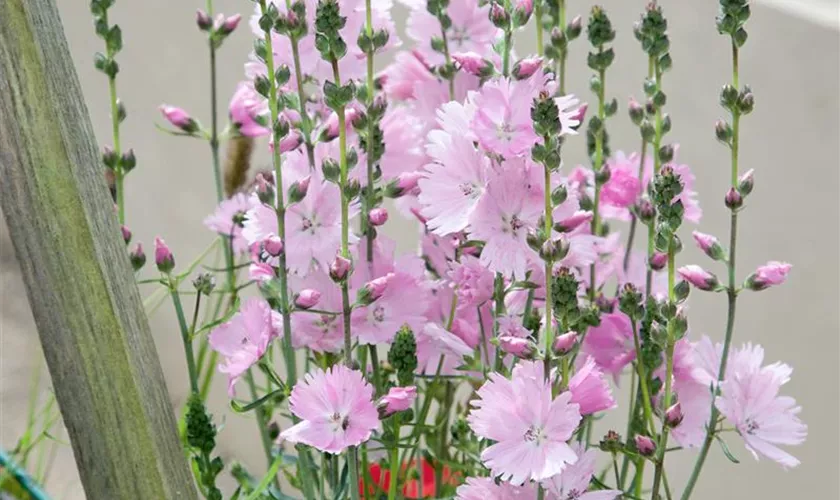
185,337
304,114
119,173
549,270
645,392
395,460
731,293
538,19
669,372
448,58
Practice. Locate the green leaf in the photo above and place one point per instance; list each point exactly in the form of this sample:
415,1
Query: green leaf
236,406
726,451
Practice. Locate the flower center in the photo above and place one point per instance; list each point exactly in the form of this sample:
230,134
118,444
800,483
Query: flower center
751,426
306,223
458,35
466,188
337,419
504,133
239,219
379,314
535,435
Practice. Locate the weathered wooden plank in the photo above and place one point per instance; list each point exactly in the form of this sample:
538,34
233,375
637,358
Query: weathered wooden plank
90,319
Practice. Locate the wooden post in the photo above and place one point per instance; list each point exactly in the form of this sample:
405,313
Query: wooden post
90,319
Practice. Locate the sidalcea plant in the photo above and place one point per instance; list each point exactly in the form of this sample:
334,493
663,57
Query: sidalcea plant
507,334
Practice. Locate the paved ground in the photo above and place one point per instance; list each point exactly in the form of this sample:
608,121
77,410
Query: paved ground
791,140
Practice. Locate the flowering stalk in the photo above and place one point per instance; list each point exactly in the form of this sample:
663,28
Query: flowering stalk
731,20
117,162
600,32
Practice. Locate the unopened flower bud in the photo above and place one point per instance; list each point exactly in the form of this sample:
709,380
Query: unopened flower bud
699,277
229,25
723,131
771,274
339,268
164,260
728,96
658,261
636,111
290,142
204,283
559,195
611,442
666,153
128,160
646,211
265,191
398,399
709,245
746,182
202,19
733,199
373,290
674,415
645,445
273,431
109,157
522,10
525,68
571,223
378,216
403,184
517,346
307,299
558,38
474,64
574,28
137,257
498,16
273,245
554,249
126,234
746,101
579,115
298,190
179,118
563,344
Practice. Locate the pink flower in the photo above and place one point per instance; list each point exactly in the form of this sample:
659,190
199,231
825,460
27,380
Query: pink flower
407,72
529,427
517,346
502,218
164,260
572,483
485,488
244,339
471,29
398,399
611,343
473,282
319,332
229,218
307,299
770,274
245,106
590,390
503,121
698,277
454,183
336,409
433,341
398,299
511,326
525,68
750,400
378,216
623,187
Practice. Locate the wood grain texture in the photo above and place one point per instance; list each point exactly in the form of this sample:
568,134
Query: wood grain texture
89,314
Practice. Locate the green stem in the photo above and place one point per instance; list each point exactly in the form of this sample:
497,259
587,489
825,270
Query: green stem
304,114
119,174
596,167
669,372
538,18
731,293
549,268
185,337
448,58
395,460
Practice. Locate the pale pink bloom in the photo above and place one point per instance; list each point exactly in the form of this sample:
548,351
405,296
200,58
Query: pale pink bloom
623,187
573,482
245,106
529,427
430,100
770,274
229,218
335,408
438,251
404,137
699,277
313,226
471,29
401,301
261,271
510,207
611,343
750,400
433,341
571,113
694,395
517,346
244,339
398,399
485,488
503,121
590,390
319,332
454,183
511,325
402,76
473,282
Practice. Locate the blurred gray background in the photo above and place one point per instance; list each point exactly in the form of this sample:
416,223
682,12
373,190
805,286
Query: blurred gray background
791,140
